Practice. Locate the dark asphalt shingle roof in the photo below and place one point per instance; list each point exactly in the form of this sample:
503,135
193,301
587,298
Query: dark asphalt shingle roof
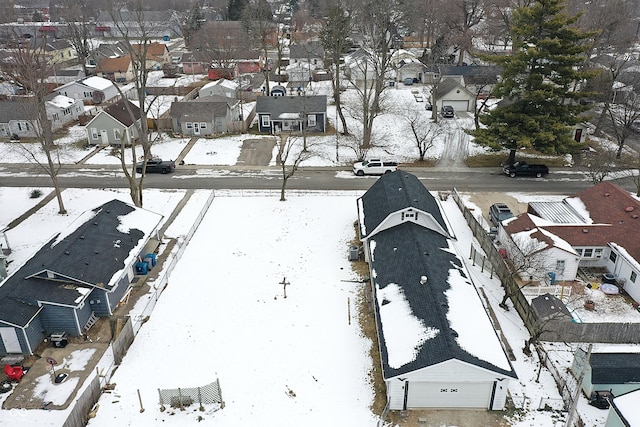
17,109
204,108
277,105
402,255
119,111
394,192
615,368
87,255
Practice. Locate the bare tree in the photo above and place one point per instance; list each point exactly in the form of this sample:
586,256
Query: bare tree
424,131
258,20
600,164
136,33
374,20
633,165
291,154
334,44
526,259
79,30
463,22
623,116
221,42
29,67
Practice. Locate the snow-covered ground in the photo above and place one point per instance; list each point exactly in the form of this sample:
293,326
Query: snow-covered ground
289,362
293,361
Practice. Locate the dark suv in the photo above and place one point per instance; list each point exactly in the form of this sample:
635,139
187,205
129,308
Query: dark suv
499,212
447,111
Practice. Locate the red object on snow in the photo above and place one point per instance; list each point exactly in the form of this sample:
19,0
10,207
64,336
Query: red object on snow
14,372
503,252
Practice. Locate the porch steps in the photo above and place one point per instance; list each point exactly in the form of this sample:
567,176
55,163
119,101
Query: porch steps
92,319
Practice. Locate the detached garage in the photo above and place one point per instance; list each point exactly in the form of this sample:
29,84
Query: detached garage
438,347
451,92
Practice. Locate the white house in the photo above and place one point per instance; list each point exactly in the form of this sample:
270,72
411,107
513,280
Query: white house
63,110
90,90
220,87
438,348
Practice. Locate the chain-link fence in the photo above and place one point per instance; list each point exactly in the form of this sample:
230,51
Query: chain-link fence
180,398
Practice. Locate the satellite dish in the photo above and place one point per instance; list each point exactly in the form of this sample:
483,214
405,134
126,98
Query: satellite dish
97,97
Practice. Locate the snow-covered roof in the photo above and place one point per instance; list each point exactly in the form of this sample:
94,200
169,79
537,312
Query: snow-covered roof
429,311
96,82
61,101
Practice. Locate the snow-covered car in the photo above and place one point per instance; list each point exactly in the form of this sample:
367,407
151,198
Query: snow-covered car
374,167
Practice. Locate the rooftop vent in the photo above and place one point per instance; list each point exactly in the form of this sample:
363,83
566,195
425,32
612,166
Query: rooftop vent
423,280
629,209
585,230
606,194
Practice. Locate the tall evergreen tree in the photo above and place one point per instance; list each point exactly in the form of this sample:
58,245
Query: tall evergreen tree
539,81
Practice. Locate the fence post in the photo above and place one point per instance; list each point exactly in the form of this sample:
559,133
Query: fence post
180,399
162,408
200,400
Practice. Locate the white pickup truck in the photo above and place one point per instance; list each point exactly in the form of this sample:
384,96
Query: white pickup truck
374,167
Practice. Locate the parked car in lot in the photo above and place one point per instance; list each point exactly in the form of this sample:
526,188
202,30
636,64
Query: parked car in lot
525,169
498,212
157,165
447,112
374,167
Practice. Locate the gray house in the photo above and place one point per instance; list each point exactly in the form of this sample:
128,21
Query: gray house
438,348
206,116
615,372
81,274
114,123
18,115
291,113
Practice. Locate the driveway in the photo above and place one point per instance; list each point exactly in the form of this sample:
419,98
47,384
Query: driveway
256,152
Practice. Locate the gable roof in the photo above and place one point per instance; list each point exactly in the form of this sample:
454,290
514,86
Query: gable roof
626,407
114,65
204,108
118,111
278,105
425,324
153,49
548,305
447,85
309,50
615,368
610,213
22,108
473,74
391,193
91,253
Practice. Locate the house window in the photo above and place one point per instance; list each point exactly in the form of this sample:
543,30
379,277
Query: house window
116,134
266,122
88,94
203,125
311,120
19,126
588,253
633,277
189,125
55,117
613,256
598,253
560,266
94,133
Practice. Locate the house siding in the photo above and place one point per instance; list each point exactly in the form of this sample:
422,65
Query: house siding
57,318
99,302
118,292
104,122
34,333
624,269
451,372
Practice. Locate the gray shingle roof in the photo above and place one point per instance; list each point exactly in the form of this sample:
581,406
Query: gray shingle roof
90,256
615,368
119,112
402,254
277,105
17,109
396,191
205,108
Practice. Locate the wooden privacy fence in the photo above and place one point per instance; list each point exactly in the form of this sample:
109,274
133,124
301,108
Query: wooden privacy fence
562,329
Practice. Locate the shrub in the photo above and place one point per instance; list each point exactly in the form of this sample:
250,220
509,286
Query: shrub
35,193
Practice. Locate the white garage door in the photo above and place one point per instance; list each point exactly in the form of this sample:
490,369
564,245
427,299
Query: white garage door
457,105
449,395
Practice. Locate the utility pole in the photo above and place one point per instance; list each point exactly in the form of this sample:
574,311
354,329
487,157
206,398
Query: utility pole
576,395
